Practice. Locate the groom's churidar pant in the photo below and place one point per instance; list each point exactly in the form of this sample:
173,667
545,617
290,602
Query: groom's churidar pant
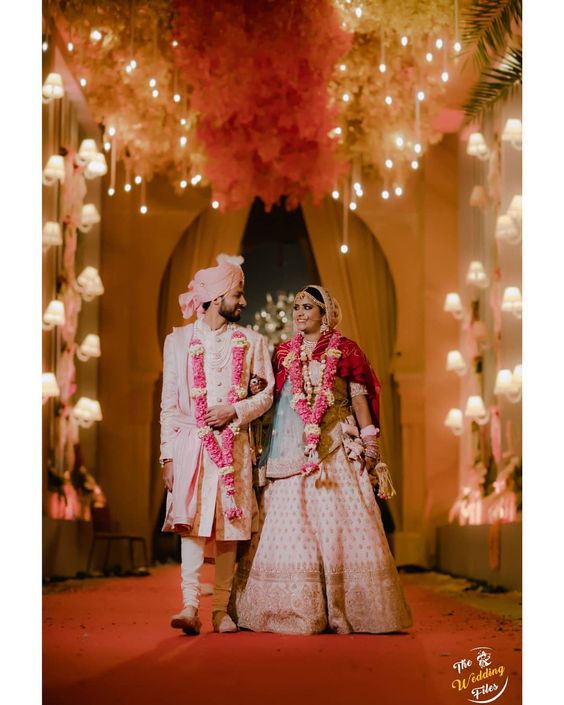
192,552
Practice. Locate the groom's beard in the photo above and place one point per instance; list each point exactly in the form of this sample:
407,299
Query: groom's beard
230,314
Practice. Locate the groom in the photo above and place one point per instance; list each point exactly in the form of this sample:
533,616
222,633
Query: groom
205,413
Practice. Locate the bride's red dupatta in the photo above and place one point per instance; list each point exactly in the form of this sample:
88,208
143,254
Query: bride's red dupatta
353,367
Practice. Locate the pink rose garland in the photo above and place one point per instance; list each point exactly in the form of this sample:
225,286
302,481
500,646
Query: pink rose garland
323,400
221,452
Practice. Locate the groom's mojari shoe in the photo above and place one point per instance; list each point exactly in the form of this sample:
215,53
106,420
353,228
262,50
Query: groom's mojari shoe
187,620
223,623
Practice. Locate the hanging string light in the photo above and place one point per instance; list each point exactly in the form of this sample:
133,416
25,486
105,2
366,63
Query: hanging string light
382,67
457,45
143,208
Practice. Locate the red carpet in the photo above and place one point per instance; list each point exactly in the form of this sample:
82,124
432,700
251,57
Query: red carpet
108,642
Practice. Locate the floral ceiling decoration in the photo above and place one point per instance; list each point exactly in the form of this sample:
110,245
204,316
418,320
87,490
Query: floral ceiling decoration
123,59
391,84
259,98
259,73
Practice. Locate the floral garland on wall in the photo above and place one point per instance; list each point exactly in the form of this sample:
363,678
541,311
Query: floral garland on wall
263,99
73,488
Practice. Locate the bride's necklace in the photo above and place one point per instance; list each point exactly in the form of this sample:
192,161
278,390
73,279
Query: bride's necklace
309,347
312,371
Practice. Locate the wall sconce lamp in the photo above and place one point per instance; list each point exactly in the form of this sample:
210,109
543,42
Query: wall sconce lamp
53,88
476,410
455,363
509,385
90,347
477,146
453,305
52,234
88,217
96,166
54,315
506,230
454,421
87,151
89,284
49,386
477,276
515,209
513,133
86,411
512,301
54,170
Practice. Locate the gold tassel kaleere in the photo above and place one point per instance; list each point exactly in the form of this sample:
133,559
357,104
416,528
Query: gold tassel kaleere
385,487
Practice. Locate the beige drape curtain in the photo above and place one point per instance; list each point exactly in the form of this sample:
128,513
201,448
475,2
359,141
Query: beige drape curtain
362,282
209,234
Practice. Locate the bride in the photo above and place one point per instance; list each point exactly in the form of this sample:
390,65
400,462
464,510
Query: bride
322,560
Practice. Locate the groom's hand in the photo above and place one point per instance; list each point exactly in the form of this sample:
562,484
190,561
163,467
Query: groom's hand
220,415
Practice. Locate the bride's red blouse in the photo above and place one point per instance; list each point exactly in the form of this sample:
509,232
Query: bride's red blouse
353,367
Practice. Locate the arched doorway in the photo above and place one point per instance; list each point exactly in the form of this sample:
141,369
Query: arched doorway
285,250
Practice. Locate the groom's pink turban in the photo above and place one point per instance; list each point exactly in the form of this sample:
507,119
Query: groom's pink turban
210,283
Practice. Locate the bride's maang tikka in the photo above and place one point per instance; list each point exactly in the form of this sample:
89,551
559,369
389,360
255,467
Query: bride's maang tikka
304,295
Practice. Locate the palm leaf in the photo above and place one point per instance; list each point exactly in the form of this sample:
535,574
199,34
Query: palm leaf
497,84
487,26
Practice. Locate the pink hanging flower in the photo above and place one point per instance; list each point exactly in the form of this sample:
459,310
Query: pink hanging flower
259,74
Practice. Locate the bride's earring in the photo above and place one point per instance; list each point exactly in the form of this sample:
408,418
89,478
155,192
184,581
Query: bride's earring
324,325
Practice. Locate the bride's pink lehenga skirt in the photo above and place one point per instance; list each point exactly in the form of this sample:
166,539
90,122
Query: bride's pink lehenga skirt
322,559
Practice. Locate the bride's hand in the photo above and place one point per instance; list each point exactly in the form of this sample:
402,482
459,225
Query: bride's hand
256,385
